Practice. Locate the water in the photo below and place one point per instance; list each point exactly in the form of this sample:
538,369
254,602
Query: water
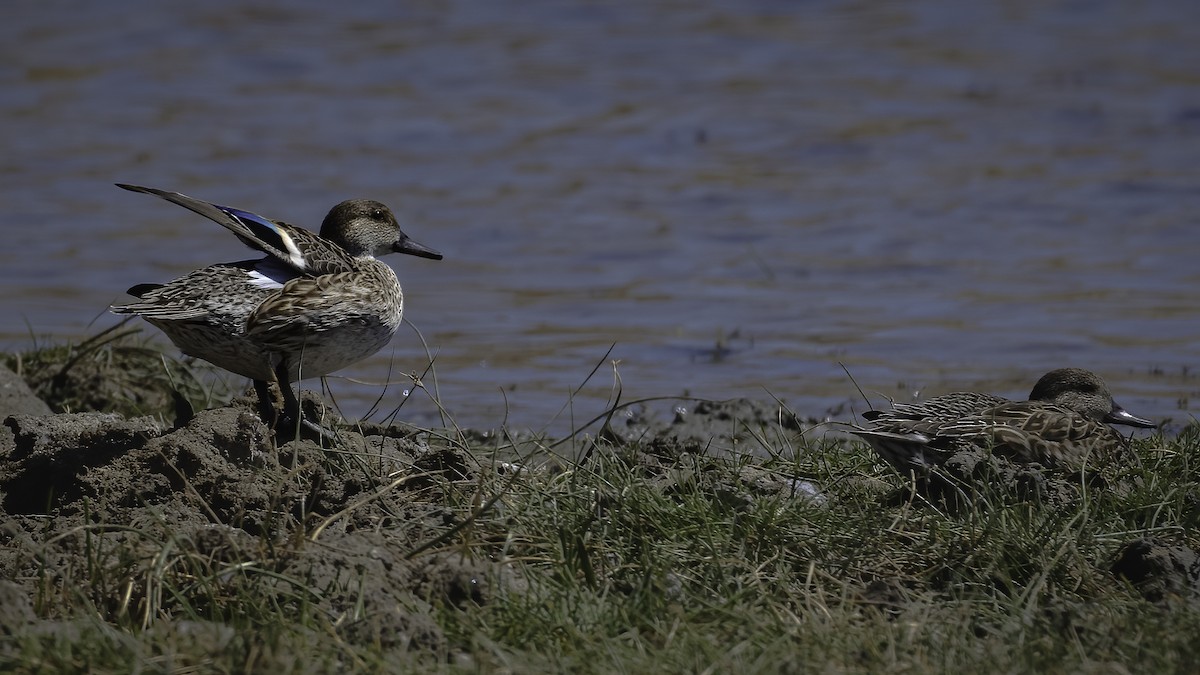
740,196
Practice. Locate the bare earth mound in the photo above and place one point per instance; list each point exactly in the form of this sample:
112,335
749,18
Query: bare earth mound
212,507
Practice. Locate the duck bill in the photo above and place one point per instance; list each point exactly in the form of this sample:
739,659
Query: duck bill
1121,416
411,247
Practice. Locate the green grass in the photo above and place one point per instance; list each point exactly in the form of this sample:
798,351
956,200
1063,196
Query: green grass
628,569
634,577
645,557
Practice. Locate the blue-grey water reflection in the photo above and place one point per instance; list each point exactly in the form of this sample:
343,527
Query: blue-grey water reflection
937,194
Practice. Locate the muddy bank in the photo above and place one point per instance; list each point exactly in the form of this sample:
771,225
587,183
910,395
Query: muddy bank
102,512
149,525
83,492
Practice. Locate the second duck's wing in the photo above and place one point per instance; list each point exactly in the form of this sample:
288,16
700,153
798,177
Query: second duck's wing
946,407
1031,432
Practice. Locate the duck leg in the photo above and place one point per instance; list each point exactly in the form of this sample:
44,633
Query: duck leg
291,404
292,414
266,403
292,419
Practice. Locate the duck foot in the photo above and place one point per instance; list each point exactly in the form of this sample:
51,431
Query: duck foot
287,429
288,421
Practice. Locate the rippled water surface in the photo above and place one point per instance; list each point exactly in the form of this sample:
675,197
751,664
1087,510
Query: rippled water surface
738,195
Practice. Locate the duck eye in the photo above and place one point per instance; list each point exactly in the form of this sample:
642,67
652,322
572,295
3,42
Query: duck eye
377,214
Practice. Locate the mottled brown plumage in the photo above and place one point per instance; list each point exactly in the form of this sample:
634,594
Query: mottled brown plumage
313,305
1064,424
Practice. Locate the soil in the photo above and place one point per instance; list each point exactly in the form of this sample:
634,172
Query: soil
212,489
372,516
212,492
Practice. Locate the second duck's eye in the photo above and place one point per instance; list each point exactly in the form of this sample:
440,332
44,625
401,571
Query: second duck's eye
377,214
